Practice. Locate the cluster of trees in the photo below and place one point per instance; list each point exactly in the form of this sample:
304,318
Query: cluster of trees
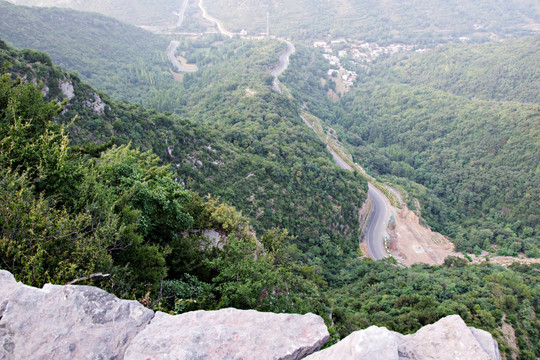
507,71
487,297
256,155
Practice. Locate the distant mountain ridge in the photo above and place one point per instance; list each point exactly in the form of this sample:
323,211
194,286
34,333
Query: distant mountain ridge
416,22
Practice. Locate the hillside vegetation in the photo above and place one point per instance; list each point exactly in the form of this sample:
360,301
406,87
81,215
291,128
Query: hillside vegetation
104,52
475,158
507,71
145,193
253,151
417,22
135,12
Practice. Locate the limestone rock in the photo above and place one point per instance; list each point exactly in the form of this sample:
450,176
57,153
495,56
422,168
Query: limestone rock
229,334
65,322
487,343
371,343
447,339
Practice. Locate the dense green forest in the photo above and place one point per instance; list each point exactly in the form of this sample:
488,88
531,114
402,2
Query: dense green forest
68,211
253,151
91,183
82,207
476,160
507,70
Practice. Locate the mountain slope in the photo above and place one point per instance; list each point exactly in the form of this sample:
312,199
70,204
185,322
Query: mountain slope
106,53
253,151
499,71
475,159
160,12
408,21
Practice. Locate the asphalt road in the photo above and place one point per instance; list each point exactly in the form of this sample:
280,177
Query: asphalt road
174,61
283,64
377,224
181,13
378,220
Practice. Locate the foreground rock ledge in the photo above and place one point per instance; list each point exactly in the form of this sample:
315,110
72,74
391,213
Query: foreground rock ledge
229,334
447,339
84,322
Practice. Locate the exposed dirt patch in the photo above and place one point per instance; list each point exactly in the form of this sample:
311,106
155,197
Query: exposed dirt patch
332,95
503,260
250,92
185,64
413,243
177,77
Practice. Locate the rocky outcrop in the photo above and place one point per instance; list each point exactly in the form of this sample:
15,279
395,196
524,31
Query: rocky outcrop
65,322
447,339
84,322
229,334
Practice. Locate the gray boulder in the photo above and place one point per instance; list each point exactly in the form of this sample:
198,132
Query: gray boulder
229,334
65,322
487,343
371,343
447,339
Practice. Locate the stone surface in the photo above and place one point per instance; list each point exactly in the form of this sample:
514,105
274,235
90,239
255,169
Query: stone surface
65,322
487,343
229,334
447,339
83,322
371,343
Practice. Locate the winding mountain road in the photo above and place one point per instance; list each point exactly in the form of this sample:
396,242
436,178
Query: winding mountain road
378,220
283,64
221,28
375,230
171,51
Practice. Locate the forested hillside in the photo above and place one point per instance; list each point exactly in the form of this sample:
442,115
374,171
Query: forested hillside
145,190
135,12
104,52
414,22
70,211
495,71
254,152
476,159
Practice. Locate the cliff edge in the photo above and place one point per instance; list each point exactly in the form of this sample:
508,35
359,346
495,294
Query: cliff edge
84,322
